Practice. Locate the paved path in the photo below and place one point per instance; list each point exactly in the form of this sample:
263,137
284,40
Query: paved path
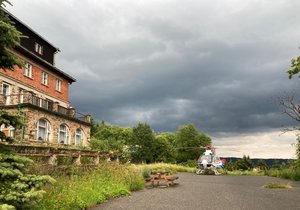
224,192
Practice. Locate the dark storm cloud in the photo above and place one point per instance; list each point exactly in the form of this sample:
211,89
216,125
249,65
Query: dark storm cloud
216,64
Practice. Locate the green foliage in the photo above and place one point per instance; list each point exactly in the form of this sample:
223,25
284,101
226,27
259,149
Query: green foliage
9,39
230,166
146,169
8,119
295,67
80,192
188,142
274,185
112,138
298,151
164,151
276,164
244,164
18,188
142,144
262,165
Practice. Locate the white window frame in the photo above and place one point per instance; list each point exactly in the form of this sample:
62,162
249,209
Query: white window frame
21,95
10,129
63,131
79,136
38,48
58,85
28,70
47,130
44,78
7,93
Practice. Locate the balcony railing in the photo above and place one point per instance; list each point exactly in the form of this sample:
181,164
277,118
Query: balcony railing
29,98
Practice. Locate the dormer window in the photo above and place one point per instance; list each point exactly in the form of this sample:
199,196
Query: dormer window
38,48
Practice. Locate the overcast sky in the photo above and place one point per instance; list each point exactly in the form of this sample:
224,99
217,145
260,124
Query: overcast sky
218,64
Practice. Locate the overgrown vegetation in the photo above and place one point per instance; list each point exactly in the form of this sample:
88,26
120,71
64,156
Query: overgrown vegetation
146,169
285,170
274,185
141,144
80,191
18,187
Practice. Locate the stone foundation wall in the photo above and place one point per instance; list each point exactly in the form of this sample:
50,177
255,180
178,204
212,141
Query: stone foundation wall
32,116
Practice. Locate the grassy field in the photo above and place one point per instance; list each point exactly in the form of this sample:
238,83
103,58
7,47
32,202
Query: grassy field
289,173
109,180
82,191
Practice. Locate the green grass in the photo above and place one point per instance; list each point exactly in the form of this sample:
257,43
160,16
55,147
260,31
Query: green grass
274,185
79,192
289,173
145,169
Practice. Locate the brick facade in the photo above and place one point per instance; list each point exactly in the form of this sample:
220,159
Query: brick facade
35,82
48,116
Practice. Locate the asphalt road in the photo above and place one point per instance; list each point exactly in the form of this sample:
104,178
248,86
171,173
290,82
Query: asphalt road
196,192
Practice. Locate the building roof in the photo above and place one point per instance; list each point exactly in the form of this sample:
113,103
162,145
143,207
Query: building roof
36,58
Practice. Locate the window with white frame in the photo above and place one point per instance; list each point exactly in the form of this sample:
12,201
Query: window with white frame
38,48
43,130
63,134
78,136
44,78
58,85
28,70
6,92
21,95
8,130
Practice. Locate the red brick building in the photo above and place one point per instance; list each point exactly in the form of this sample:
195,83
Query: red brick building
39,92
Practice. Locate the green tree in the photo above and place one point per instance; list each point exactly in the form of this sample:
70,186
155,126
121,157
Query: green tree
295,67
142,143
18,188
188,142
244,164
112,138
9,39
164,151
276,165
231,166
262,165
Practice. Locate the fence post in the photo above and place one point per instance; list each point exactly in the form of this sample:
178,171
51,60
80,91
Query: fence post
77,161
52,160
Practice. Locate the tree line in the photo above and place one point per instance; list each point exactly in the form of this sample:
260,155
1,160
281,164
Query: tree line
140,144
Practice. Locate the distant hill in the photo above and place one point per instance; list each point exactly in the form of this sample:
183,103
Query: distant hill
269,161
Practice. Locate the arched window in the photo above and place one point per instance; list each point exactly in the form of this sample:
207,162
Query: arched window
63,134
78,136
43,130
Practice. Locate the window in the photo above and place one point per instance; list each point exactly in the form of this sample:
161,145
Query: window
6,93
21,95
43,130
28,70
78,136
58,85
44,78
38,48
63,134
8,130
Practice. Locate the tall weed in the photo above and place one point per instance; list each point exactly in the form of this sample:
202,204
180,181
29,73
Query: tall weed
82,191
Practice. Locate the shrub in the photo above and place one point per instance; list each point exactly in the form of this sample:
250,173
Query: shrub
18,188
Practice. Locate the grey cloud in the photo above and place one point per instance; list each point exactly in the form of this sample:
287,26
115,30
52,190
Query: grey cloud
217,65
